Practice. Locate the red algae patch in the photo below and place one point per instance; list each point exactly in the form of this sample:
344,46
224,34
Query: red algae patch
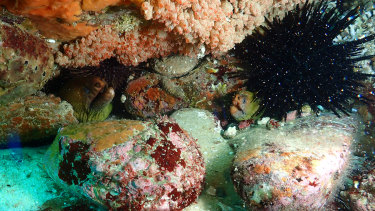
128,164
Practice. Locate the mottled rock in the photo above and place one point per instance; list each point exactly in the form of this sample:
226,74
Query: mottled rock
175,66
155,94
33,118
219,193
146,97
26,63
296,167
128,164
362,195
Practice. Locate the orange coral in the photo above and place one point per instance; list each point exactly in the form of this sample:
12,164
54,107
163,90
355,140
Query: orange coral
59,19
68,10
64,31
210,26
97,5
262,169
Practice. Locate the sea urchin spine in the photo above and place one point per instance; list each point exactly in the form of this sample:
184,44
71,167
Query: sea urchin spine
294,61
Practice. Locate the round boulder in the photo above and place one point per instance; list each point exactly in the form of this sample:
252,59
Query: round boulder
128,164
296,167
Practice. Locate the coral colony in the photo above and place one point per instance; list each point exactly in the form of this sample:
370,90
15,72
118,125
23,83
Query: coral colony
294,61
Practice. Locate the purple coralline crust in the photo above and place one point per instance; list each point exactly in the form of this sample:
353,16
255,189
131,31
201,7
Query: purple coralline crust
158,168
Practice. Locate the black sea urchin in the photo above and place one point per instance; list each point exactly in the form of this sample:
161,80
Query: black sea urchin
294,61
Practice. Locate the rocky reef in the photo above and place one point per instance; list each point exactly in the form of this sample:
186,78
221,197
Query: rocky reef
140,105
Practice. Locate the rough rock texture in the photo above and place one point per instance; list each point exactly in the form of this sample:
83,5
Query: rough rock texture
219,193
145,97
361,196
175,66
127,164
155,94
33,118
26,63
296,167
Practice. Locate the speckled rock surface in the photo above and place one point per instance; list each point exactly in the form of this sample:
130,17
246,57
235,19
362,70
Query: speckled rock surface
361,196
128,164
175,66
219,193
33,118
145,97
154,94
26,63
295,167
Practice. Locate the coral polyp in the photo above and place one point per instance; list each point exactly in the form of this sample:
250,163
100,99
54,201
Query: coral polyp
294,61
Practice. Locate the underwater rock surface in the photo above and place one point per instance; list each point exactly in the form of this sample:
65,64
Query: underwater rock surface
219,193
175,66
31,119
296,167
128,164
26,63
154,94
362,195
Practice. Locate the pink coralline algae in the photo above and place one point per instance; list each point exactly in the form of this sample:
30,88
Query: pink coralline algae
184,27
296,167
128,164
146,98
